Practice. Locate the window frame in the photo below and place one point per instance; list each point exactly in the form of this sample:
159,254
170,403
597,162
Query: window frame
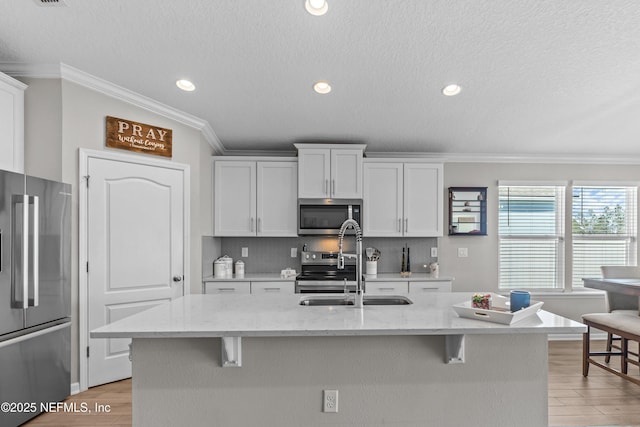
564,219
559,238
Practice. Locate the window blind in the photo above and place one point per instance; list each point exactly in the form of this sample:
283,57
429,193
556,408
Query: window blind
531,235
604,229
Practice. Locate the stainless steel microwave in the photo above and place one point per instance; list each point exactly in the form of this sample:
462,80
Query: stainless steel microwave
325,216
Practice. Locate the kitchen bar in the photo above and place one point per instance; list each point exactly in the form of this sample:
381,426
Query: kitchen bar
389,363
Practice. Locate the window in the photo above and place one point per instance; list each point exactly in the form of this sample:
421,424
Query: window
604,231
602,222
531,235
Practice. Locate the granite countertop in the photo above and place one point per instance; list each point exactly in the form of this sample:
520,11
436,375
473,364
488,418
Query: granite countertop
197,315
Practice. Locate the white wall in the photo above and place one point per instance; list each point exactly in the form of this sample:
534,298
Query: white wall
480,270
62,117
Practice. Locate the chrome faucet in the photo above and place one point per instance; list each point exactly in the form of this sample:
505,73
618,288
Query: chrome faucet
352,223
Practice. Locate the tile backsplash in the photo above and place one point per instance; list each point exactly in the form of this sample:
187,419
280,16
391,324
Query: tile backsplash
270,255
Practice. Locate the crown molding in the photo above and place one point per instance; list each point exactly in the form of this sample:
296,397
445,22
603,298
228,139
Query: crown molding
71,74
510,158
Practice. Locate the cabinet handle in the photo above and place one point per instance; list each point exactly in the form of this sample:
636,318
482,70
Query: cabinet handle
333,187
406,225
399,225
251,226
326,186
259,225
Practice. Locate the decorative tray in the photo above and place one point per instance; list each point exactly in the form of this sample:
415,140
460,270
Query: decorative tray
500,311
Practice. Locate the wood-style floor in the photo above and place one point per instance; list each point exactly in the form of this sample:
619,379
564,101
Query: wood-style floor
602,399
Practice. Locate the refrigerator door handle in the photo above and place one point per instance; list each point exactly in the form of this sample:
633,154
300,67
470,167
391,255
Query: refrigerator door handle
20,249
36,250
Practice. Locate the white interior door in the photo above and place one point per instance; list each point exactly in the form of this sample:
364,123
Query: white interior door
135,239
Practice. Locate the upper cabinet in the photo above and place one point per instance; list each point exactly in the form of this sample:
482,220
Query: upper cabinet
255,198
11,124
330,171
402,199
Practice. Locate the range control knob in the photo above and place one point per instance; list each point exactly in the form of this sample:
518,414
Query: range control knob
313,256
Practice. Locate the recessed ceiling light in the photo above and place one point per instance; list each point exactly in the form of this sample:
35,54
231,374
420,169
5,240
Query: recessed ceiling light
316,7
186,85
451,90
322,87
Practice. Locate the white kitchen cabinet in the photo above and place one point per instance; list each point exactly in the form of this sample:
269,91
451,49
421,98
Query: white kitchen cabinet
277,199
377,288
255,198
11,124
418,287
402,199
330,171
230,287
282,287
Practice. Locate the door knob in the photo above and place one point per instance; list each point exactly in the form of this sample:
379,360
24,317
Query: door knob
177,278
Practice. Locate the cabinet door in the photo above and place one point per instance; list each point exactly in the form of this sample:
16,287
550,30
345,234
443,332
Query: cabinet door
389,288
423,199
263,288
234,198
430,286
227,287
314,171
382,201
277,202
346,174
11,124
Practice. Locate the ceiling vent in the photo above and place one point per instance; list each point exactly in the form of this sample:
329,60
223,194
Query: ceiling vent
49,3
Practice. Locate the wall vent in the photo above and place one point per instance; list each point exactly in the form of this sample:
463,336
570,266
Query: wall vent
49,3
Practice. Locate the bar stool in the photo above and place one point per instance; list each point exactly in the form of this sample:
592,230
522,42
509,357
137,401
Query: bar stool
619,303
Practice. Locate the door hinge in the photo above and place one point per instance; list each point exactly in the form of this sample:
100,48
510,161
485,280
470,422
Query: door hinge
87,351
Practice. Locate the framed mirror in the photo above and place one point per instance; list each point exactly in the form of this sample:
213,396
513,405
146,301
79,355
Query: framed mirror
467,211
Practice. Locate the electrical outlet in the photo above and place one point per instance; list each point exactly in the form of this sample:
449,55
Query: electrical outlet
245,252
434,252
463,252
294,252
330,401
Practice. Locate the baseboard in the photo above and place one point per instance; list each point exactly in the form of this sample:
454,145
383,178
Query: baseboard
75,388
577,337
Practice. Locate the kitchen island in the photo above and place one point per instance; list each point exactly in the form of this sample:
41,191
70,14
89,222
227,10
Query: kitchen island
246,360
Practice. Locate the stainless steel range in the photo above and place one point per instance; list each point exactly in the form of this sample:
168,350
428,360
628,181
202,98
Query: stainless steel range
320,274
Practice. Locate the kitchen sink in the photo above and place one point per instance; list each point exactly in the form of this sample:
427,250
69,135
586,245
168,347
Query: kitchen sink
349,300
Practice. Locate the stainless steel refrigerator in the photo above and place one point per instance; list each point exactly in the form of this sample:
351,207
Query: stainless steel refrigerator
35,295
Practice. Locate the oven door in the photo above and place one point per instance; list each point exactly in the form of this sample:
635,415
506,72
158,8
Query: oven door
324,286
325,216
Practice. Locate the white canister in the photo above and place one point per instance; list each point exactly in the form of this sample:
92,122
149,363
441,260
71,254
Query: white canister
219,269
434,269
372,268
239,268
228,262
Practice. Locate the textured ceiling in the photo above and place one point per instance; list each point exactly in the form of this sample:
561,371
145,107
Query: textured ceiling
539,77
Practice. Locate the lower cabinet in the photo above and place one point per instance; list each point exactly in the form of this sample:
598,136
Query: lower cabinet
232,287
430,286
273,287
247,287
386,287
402,287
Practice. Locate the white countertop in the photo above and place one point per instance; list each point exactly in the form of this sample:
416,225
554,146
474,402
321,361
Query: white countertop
253,277
195,316
396,277
381,277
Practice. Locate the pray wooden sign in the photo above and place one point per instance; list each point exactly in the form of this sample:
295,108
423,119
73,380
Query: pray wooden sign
138,137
